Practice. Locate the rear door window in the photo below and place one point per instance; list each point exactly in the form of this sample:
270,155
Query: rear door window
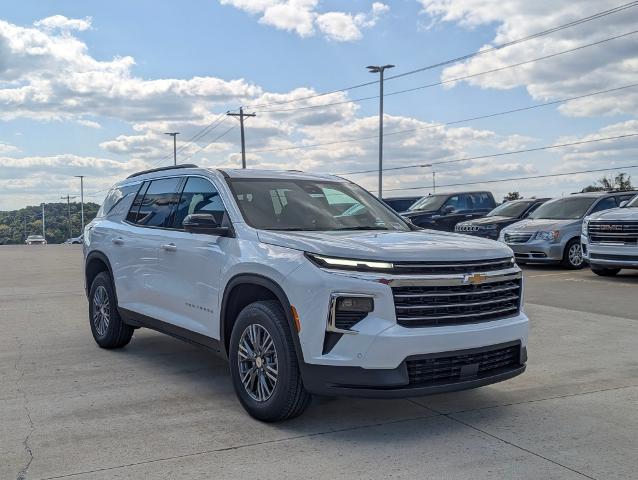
604,204
480,201
159,201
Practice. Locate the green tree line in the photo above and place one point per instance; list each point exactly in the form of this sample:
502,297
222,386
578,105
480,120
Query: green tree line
16,225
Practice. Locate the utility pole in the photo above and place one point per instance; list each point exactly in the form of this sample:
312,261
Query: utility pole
81,177
68,206
433,181
174,135
380,69
241,116
43,227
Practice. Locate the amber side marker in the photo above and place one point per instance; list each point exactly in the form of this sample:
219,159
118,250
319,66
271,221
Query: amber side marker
295,316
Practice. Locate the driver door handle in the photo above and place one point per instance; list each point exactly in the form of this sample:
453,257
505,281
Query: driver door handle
169,247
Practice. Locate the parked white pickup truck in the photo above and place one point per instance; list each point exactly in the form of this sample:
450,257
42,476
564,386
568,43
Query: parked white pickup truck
610,239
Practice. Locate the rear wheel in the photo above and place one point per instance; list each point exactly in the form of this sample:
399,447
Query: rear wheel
605,272
263,364
573,255
107,327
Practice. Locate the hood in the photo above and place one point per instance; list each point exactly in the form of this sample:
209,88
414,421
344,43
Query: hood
418,213
496,220
422,245
616,214
534,225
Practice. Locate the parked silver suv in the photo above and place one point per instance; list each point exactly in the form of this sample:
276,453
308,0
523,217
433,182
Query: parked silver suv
552,233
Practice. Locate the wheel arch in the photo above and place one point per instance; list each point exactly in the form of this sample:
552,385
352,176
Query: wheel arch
95,263
255,287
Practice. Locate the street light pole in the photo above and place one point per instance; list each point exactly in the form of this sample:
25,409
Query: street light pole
174,135
81,177
68,206
380,69
433,181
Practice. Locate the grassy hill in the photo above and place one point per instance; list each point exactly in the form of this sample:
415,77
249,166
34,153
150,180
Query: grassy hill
17,224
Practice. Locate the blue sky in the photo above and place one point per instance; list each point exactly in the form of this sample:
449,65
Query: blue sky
260,50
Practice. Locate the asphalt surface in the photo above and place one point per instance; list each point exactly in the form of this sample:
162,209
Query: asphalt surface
162,409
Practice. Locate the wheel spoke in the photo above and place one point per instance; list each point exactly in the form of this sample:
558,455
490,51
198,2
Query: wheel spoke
257,362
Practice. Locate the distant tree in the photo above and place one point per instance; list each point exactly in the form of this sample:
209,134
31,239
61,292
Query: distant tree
17,224
512,196
622,181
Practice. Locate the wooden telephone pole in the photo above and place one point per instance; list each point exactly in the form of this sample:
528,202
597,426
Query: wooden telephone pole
241,116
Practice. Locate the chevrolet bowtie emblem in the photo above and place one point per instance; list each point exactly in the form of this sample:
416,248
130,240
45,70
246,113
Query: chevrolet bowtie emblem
475,279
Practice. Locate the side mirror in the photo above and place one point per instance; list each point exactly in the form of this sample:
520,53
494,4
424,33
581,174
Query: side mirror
448,209
204,223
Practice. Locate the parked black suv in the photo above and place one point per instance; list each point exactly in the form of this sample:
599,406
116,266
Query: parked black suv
442,211
490,226
400,204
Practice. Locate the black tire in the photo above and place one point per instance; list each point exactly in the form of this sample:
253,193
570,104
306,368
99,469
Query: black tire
605,272
287,398
568,259
114,333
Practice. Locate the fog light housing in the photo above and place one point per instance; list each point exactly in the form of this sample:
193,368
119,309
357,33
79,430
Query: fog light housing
346,310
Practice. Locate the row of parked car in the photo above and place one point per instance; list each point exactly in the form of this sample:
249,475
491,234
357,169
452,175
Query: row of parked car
599,228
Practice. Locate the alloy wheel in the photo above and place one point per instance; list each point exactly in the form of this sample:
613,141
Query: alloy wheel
101,310
576,255
257,361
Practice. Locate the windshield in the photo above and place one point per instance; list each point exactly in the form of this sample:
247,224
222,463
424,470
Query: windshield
633,203
566,208
510,209
308,205
431,202
35,237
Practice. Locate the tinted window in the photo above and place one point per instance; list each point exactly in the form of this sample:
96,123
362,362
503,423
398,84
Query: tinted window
511,209
199,196
115,196
564,208
605,204
458,202
480,201
633,203
137,202
311,205
399,204
157,205
431,202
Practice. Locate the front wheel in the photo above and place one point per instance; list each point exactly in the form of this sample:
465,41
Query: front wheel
573,255
605,272
263,364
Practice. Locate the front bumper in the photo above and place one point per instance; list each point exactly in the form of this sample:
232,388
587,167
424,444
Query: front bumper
609,255
400,383
537,251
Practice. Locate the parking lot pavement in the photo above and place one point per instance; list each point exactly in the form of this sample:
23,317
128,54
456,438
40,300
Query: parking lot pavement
162,409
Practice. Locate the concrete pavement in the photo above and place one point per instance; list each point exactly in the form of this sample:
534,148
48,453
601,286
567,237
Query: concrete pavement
162,409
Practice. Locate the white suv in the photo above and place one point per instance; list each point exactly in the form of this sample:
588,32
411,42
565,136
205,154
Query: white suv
305,283
610,239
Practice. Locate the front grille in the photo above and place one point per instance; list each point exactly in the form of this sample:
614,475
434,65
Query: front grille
435,306
463,366
466,228
446,268
517,237
618,232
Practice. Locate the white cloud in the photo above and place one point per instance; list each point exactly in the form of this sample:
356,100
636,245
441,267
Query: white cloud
63,23
601,67
7,148
302,16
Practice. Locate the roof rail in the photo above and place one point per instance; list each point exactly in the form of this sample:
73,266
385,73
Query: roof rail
161,169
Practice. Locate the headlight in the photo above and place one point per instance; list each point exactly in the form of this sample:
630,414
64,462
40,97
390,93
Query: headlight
348,263
548,236
488,227
585,225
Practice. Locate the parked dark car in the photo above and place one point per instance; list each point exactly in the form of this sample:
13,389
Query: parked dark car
442,211
490,225
400,204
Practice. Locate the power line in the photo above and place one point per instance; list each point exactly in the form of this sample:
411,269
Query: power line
530,177
454,122
211,142
461,58
494,155
501,46
456,79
